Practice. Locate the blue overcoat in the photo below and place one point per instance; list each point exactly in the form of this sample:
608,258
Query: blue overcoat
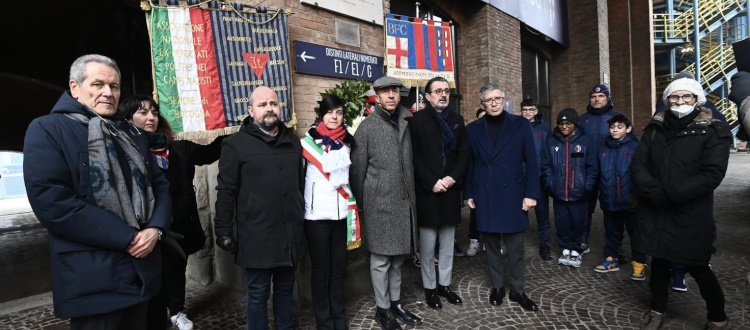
91,271
500,176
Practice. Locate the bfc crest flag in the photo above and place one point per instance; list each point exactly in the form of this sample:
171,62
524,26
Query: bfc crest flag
207,62
418,50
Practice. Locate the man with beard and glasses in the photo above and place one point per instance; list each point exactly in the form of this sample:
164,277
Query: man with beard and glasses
382,180
441,153
261,178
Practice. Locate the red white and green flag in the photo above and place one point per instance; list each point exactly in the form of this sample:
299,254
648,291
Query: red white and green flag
207,62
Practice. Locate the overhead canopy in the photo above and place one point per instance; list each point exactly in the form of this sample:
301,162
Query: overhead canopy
549,17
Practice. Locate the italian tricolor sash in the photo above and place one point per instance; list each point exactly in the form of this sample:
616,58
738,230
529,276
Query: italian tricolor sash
312,152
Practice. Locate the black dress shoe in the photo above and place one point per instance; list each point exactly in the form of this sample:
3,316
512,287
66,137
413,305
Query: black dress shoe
544,252
387,320
446,292
405,315
432,298
496,296
523,300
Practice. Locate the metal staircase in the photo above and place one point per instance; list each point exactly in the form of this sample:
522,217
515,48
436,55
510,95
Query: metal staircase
713,62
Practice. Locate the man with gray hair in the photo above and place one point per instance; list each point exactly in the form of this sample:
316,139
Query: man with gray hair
382,180
502,185
91,183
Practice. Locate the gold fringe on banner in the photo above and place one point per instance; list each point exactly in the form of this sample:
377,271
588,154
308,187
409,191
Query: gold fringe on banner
210,135
421,83
353,245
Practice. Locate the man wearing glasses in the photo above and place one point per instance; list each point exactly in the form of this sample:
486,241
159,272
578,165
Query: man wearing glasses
594,125
502,185
441,153
530,111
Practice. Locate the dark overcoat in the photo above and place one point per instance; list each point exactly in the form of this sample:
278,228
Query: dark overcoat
183,157
688,167
382,180
500,176
261,180
91,271
436,209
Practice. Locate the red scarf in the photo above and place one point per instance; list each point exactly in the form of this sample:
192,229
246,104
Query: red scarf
332,135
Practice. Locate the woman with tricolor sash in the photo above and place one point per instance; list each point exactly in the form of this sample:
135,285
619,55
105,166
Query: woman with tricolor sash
331,218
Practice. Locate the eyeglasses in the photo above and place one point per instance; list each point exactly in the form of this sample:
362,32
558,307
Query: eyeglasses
441,91
528,109
494,99
685,98
565,124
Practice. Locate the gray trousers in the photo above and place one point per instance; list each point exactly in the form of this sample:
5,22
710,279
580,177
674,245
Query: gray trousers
515,251
427,238
386,278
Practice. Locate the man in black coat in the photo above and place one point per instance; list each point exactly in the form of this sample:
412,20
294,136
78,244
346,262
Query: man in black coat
441,154
262,179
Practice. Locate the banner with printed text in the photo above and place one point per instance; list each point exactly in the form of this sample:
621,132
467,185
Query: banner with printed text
208,62
418,50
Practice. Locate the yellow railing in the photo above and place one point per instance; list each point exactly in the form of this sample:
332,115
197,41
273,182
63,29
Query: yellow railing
714,64
725,106
680,25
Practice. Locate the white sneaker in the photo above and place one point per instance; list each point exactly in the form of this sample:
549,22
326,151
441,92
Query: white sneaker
181,321
473,247
575,259
565,258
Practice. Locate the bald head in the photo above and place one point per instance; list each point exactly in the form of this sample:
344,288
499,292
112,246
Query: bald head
265,108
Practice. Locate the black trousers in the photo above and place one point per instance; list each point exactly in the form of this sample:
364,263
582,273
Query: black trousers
172,294
326,241
707,283
133,317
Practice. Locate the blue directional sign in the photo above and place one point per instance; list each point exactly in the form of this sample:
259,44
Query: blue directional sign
333,62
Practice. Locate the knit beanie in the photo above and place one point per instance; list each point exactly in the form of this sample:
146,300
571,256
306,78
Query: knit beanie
685,84
568,114
600,89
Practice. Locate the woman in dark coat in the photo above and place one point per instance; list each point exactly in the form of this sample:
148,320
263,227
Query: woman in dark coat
178,160
681,160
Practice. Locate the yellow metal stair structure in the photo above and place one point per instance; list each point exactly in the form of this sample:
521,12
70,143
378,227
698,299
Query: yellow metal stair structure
717,59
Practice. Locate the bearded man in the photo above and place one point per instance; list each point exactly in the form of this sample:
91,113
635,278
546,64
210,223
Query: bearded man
261,180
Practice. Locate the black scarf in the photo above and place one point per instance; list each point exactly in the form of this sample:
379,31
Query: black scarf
449,140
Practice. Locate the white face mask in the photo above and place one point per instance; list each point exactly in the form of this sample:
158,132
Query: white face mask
682,110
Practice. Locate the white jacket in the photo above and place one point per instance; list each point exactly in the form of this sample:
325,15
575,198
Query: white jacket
322,199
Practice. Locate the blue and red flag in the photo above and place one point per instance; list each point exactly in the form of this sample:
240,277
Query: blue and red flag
418,50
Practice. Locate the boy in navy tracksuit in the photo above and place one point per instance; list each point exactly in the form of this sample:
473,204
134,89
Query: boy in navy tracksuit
569,172
530,111
615,186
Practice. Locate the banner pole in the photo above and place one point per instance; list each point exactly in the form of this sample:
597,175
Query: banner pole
146,6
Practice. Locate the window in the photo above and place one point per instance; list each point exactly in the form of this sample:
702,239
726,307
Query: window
535,76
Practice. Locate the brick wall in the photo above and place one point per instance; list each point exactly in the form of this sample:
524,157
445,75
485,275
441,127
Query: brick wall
489,48
581,66
632,59
644,84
